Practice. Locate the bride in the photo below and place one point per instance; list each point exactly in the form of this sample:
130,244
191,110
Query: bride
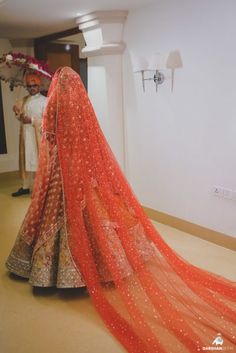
84,227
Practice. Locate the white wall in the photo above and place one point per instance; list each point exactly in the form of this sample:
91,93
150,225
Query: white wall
105,92
181,144
10,161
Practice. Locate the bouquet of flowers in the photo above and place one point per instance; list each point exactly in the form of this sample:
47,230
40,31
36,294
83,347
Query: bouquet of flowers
14,66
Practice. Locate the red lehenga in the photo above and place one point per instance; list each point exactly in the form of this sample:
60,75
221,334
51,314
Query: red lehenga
85,227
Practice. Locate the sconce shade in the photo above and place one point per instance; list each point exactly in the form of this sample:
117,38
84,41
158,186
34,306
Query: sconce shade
174,60
139,63
157,62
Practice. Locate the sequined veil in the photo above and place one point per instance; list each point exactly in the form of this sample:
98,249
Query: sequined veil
150,298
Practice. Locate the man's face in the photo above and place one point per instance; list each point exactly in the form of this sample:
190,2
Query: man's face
32,88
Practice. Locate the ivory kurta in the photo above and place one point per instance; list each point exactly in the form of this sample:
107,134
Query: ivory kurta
29,139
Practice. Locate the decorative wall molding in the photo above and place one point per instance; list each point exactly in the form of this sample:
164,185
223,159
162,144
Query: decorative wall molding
97,17
103,32
105,49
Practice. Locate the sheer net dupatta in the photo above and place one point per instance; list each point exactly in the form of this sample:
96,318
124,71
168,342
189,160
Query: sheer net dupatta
150,298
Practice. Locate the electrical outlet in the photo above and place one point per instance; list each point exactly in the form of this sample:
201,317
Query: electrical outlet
217,191
224,193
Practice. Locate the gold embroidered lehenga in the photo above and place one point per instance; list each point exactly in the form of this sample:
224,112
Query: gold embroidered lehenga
85,227
47,260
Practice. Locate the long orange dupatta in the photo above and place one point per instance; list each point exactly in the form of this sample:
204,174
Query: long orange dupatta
151,299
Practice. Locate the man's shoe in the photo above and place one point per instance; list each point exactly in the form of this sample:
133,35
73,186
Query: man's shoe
20,192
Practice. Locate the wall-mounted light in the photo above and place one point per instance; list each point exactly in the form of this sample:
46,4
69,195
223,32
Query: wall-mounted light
155,67
150,69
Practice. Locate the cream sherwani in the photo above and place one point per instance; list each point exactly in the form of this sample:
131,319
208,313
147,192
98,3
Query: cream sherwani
33,107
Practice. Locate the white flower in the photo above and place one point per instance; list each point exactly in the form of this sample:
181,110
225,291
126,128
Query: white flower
22,60
9,57
34,66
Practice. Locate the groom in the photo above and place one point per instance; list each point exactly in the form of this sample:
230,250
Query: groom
29,112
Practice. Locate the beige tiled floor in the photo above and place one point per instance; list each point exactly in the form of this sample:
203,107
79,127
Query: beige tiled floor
61,321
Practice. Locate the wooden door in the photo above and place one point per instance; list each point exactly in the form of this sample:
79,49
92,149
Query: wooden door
57,54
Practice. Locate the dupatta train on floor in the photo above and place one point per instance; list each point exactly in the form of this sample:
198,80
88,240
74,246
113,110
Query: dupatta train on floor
85,226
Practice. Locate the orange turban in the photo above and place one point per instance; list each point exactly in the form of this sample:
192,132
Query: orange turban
33,79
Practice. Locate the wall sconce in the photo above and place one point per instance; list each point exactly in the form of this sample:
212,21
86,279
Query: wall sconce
141,64
157,63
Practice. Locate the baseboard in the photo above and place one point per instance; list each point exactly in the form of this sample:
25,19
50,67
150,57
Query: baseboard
218,238
10,175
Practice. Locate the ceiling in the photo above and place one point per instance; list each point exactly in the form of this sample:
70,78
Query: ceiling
31,19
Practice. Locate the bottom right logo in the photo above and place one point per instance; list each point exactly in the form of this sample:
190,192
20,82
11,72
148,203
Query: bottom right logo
218,340
217,344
